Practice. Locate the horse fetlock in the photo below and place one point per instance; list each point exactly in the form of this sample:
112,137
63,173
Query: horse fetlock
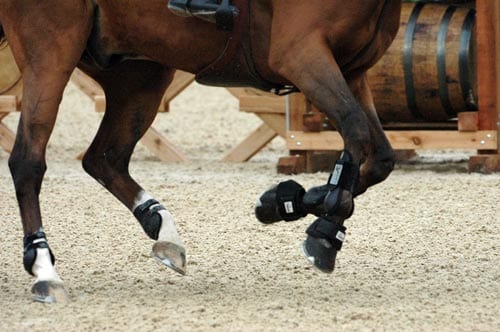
148,215
38,259
335,198
329,230
325,238
282,202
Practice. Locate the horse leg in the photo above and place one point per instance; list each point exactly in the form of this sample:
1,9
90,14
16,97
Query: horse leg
46,51
308,63
134,90
380,161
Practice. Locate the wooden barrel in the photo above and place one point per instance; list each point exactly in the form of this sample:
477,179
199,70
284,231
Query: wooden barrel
10,76
429,72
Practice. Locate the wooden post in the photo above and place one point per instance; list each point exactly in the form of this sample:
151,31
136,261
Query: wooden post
296,162
488,71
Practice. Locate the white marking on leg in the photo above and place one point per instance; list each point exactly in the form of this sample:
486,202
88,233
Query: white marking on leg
43,268
168,231
141,198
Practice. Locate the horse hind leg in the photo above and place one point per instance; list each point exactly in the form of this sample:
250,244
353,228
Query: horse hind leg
133,92
381,158
326,234
309,64
46,51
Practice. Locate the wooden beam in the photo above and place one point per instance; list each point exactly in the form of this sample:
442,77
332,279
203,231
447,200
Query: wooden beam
468,121
262,104
180,82
7,138
99,103
405,140
486,66
86,84
161,146
251,145
8,103
497,61
275,121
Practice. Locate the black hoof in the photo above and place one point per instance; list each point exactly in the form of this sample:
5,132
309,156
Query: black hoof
320,253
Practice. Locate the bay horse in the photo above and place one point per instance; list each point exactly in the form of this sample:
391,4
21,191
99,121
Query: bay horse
132,49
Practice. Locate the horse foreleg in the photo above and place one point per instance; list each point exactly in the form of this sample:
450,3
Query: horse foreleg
133,92
46,42
380,160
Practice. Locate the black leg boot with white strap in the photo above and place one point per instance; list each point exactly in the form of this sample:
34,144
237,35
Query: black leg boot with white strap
39,261
158,223
332,204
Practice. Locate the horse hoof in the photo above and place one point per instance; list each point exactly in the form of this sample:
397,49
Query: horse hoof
49,292
320,253
171,255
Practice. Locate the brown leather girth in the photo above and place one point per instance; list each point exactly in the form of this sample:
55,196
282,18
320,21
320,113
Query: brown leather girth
235,66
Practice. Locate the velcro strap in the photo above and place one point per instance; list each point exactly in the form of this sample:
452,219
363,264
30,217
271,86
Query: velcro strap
31,243
35,240
325,229
149,218
345,173
145,208
289,196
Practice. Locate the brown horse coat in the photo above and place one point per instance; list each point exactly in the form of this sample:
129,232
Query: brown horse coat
133,47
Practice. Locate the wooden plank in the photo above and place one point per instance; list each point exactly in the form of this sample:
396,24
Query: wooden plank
7,138
180,82
298,107
275,121
86,84
161,147
251,145
468,121
485,164
406,140
262,104
246,92
294,164
487,81
497,61
8,103
100,103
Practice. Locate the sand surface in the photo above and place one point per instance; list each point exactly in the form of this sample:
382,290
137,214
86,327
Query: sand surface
421,253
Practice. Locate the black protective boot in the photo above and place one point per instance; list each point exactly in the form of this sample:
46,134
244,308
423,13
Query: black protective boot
221,13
